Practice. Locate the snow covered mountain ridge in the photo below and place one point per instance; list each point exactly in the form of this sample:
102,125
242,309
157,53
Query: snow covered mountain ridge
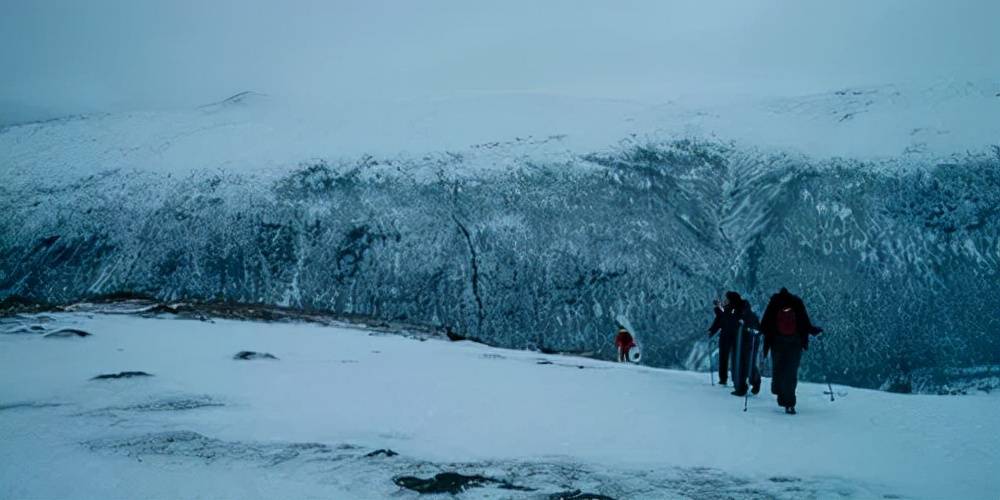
533,221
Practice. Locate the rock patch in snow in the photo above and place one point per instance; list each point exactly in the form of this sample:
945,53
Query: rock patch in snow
248,355
453,483
128,374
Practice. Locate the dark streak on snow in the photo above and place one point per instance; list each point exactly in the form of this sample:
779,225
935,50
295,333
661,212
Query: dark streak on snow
26,405
128,374
64,333
248,355
385,451
529,479
453,483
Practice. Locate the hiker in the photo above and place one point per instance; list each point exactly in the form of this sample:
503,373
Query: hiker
786,328
734,320
745,352
624,342
726,322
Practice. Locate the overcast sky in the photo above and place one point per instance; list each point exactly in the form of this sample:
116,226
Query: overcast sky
110,55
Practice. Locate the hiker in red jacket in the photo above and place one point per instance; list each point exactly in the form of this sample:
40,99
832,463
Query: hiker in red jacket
624,342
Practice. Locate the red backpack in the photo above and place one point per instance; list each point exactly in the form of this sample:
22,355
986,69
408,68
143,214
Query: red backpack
786,322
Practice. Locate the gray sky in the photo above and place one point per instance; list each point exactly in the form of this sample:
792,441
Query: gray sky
65,56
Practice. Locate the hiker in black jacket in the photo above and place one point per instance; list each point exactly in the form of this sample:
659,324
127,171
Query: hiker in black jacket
786,328
733,319
745,352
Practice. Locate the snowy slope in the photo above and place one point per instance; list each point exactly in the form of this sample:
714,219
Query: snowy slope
252,131
207,425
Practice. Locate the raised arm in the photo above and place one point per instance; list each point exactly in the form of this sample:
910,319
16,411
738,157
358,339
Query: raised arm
716,323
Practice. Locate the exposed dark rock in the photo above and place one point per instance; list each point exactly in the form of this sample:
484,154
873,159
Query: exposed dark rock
453,483
544,362
387,452
166,309
64,333
108,376
247,355
455,337
784,479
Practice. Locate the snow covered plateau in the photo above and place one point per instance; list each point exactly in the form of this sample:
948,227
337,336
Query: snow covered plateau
154,405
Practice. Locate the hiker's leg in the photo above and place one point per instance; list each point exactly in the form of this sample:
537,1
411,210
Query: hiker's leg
793,380
725,346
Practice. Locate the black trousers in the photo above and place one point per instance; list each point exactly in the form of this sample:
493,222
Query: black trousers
725,353
745,362
786,354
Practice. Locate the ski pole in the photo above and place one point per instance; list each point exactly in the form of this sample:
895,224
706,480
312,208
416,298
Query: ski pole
711,367
746,395
753,363
826,361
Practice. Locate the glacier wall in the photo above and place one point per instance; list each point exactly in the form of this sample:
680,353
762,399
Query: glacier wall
897,260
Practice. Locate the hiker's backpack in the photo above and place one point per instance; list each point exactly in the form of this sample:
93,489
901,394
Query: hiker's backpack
786,322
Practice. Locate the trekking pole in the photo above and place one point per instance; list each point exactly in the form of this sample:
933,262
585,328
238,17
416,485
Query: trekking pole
826,361
753,363
711,368
746,395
